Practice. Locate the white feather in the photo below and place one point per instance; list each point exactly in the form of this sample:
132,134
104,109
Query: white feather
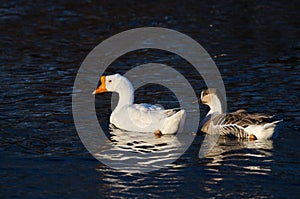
140,117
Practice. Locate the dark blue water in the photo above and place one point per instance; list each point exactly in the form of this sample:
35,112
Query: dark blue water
255,45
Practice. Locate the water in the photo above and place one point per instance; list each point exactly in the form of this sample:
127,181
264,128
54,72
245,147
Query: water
254,44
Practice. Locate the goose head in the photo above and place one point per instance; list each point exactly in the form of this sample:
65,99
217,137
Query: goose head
210,98
114,83
108,84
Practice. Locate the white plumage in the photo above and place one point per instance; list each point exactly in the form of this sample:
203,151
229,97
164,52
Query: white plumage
138,117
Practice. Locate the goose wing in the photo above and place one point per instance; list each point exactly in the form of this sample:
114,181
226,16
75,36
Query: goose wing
234,123
230,130
244,119
145,115
147,107
228,124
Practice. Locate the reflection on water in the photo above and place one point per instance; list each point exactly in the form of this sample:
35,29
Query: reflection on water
236,155
136,151
230,159
143,142
244,166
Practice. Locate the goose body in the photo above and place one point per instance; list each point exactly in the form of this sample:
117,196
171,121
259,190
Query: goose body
138,117
238,124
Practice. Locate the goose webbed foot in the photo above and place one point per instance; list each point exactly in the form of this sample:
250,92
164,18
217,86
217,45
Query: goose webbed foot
252,137
158,134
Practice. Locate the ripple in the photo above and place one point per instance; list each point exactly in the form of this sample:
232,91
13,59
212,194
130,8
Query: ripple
254,44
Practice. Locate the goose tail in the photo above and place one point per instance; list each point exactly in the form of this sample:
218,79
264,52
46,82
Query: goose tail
273,127
272,124
172,123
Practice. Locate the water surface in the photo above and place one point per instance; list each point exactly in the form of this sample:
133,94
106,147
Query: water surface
254,44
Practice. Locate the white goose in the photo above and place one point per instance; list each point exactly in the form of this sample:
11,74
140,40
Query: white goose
138,117
239,124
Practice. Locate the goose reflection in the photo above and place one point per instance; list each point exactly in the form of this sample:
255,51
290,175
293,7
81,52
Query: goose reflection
232,159
136,151
242,156
142,142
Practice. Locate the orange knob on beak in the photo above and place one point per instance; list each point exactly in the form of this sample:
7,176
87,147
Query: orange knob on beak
102,87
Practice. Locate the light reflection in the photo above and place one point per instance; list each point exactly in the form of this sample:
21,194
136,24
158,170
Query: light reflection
236,159
242,156
134,151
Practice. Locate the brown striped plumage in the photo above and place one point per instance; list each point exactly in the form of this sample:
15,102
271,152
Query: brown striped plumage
235,124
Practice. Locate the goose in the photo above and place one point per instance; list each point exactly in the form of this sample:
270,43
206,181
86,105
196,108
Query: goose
138,117
239,124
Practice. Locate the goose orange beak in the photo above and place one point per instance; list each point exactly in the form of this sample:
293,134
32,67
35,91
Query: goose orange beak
102,87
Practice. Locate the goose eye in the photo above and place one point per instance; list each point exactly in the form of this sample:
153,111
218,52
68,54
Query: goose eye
109,80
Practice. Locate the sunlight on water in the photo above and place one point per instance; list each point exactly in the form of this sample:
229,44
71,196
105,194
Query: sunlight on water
234,154
142,148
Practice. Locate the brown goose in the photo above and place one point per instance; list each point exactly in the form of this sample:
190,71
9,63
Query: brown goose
238,124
